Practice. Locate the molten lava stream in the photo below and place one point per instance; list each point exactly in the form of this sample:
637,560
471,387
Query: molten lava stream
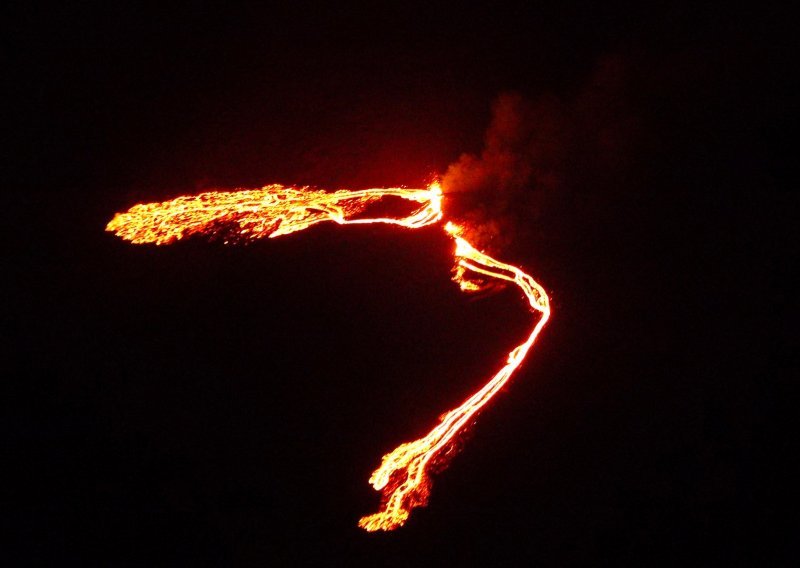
403,477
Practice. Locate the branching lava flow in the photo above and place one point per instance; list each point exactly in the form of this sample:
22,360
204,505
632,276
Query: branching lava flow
403,477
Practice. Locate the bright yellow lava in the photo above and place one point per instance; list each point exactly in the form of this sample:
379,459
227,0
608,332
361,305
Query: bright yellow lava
403,477
271,211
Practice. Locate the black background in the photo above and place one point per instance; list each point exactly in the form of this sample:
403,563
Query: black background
203,404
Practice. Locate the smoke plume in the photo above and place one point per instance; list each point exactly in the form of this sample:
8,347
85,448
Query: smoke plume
543,158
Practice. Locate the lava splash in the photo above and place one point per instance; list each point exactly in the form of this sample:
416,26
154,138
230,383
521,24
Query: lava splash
404,476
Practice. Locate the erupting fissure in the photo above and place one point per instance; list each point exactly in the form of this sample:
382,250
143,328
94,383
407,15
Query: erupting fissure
403,477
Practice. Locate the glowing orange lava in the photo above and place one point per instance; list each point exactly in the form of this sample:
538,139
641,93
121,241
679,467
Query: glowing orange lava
403,477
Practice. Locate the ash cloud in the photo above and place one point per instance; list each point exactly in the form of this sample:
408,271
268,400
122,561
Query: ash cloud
545,160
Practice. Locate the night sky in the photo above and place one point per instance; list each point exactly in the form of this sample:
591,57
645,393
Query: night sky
208,405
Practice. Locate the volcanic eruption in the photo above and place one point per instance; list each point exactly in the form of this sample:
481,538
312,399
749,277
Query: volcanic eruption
404,475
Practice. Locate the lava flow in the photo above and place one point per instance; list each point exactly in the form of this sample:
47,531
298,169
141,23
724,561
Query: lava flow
403,477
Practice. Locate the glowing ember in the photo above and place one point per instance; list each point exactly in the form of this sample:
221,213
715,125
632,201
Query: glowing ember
403,477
